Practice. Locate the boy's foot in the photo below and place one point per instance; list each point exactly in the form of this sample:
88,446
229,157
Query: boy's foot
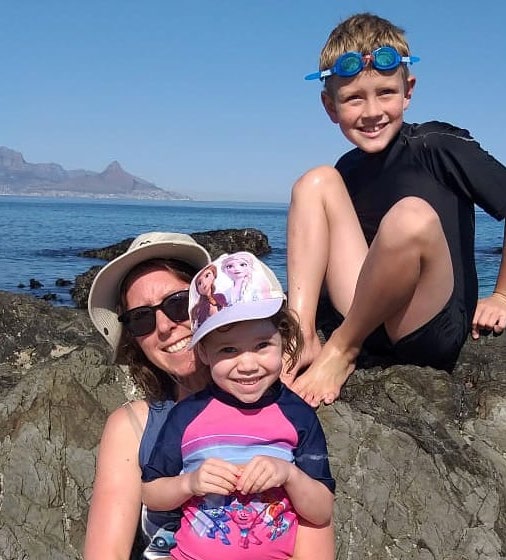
311,350
323,380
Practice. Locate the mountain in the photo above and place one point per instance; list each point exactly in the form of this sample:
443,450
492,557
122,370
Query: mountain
18,177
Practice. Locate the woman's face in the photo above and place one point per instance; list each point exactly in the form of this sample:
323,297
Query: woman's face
167,345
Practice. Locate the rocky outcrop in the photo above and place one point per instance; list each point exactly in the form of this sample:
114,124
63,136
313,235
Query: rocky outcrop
419,455
216,242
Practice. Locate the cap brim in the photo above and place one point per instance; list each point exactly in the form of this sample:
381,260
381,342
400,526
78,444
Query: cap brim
241,311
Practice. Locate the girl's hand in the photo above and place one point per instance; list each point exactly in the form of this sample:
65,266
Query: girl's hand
263,473
214,476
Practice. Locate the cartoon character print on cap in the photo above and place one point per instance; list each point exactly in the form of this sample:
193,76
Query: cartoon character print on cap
234,287
209,301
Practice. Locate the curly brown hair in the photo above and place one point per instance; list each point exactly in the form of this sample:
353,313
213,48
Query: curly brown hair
155,383
288,326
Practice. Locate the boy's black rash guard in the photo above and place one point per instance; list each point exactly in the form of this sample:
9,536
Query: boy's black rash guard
446,167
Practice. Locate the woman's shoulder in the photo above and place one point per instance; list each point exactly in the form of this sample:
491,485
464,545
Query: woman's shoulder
131,416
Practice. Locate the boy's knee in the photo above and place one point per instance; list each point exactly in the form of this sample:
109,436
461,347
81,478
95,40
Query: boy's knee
316,180
412,218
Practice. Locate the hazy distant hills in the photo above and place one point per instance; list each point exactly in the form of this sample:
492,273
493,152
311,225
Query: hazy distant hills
18,177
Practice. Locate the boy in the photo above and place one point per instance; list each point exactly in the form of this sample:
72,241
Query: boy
246,457
390,230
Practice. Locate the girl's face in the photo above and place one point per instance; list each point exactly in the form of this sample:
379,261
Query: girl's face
237,268
167,345
204,282
245,359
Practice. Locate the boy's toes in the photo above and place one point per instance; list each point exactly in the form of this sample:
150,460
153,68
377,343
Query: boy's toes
329,398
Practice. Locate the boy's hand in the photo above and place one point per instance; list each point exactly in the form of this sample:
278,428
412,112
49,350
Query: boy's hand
263,473
214,476
490,315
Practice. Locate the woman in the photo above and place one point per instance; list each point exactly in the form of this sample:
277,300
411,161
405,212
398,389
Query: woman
139,303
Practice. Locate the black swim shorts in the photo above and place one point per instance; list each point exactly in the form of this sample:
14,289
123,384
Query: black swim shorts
436,344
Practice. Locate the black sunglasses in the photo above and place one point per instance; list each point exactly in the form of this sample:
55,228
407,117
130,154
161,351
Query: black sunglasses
142,320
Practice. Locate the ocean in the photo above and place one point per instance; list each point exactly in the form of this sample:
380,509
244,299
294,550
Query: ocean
41,238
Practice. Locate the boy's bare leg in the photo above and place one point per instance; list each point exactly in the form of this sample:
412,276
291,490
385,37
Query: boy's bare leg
406,279
320,213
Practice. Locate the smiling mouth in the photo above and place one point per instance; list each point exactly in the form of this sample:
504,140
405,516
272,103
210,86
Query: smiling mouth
249,381
372,129
178,346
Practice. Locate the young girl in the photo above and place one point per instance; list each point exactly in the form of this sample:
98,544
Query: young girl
245,458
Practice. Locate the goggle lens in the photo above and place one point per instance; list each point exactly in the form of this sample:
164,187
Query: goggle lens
385,58
141,321
349,64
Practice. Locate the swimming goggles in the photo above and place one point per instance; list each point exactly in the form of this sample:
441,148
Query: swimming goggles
142,320
351,63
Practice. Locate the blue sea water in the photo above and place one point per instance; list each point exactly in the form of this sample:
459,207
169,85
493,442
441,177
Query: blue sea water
42,237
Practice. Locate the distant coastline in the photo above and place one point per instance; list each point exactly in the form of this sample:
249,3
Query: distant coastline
21,178
99,196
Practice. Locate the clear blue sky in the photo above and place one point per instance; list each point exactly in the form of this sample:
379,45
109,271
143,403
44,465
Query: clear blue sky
207,97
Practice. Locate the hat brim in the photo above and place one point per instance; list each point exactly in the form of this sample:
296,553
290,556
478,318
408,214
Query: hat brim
241,311
104,292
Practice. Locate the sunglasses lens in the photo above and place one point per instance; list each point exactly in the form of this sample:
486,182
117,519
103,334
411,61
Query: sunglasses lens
386,58
139,321
349,64
175,306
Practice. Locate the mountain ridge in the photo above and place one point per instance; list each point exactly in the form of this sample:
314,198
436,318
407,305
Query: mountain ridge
19,177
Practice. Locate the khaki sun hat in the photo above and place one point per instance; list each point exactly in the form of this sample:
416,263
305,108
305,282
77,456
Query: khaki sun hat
104,292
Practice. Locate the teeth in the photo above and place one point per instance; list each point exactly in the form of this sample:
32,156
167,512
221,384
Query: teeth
372,128
248,381
180,345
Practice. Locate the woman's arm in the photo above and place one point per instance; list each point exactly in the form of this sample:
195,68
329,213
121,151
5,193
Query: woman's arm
314,542
116,501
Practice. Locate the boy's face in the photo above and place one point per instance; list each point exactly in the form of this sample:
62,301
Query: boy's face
369,107
245,358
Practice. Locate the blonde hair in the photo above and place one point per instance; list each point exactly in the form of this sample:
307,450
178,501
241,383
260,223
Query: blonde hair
363,33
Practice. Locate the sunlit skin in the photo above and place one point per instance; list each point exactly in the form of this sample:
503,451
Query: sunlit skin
167,346
245,359
369,107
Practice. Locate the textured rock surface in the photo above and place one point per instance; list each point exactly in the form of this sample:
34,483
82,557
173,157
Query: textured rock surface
419,455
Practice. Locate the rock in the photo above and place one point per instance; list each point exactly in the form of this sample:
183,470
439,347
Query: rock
82,285
216,242
419,455
35,284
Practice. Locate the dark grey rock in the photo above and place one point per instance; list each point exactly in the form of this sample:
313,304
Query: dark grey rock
419,455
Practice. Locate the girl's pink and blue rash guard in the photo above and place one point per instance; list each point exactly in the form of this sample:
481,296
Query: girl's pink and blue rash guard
213,424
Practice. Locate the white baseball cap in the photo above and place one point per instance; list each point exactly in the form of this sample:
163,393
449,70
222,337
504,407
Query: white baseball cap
234,287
